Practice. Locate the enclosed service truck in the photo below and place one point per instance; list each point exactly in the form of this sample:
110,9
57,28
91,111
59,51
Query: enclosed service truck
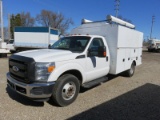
26,38
153,45
83,59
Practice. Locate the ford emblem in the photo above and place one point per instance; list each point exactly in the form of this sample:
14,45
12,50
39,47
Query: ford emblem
15,68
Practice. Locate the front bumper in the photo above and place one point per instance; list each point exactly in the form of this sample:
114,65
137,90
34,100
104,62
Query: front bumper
33,91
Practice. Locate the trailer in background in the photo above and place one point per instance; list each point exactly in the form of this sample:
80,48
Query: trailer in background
26,38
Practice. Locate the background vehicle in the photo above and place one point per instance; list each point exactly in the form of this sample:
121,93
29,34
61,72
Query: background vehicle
3,49
26,38
84,59
154,45
10,46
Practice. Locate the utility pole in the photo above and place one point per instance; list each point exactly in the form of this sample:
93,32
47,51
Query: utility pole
117,4
153,20
9,25
2,34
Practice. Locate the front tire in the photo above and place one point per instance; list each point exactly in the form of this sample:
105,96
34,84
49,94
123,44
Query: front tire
66,90
130,72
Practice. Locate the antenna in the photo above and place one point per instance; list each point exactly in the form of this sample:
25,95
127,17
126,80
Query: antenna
153,20
117,4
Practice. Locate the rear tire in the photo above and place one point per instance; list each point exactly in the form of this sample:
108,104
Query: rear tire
158,50
130,72
66,90
149,50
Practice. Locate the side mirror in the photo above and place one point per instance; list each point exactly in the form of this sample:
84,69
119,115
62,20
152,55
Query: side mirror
102,51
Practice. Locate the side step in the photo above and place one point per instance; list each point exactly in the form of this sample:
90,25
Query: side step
95,82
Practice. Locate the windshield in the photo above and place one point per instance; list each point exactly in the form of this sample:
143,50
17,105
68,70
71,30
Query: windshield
74,43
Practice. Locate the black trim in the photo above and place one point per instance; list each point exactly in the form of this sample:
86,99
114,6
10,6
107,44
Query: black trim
42,90
80,57
26,65
32,29
95,82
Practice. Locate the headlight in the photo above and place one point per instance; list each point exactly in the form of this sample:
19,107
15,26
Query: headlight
43,70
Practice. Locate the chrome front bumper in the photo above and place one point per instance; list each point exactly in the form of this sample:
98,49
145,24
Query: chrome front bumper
33,91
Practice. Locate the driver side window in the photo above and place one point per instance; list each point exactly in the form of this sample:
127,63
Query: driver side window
95,44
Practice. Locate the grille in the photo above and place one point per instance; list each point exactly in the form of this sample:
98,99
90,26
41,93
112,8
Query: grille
22,73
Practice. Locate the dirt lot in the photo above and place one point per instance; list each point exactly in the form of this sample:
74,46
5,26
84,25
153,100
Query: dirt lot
119,98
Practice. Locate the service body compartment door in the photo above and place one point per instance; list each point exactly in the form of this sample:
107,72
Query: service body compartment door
128,58
121,59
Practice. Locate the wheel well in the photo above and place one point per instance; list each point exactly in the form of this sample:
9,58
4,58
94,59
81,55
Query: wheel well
75,73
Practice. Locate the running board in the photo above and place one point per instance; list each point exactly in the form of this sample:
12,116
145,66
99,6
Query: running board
94,82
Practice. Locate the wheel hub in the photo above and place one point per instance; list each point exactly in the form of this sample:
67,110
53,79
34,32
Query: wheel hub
68,91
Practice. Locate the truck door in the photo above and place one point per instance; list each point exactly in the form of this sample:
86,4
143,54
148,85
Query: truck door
96,66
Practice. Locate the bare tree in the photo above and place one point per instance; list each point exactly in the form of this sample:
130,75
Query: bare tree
27,20
55,20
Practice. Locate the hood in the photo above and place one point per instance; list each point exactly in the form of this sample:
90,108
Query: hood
49,55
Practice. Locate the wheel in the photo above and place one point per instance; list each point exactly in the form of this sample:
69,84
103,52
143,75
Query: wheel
66,90
2,55
149,50
130,72
12,52
158,50
17,50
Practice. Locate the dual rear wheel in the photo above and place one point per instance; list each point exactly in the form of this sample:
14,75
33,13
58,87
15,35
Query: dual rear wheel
130,72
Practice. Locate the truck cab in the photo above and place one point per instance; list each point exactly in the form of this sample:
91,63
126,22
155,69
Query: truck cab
82,59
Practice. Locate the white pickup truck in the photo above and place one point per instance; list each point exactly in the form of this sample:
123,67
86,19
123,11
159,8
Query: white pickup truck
83,59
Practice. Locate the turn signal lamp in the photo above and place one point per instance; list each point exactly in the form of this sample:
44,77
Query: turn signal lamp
51,68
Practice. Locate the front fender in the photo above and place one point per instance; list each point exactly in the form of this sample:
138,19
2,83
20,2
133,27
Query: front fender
66,67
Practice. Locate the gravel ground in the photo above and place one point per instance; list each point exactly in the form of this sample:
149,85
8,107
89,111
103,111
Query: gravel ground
120,98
